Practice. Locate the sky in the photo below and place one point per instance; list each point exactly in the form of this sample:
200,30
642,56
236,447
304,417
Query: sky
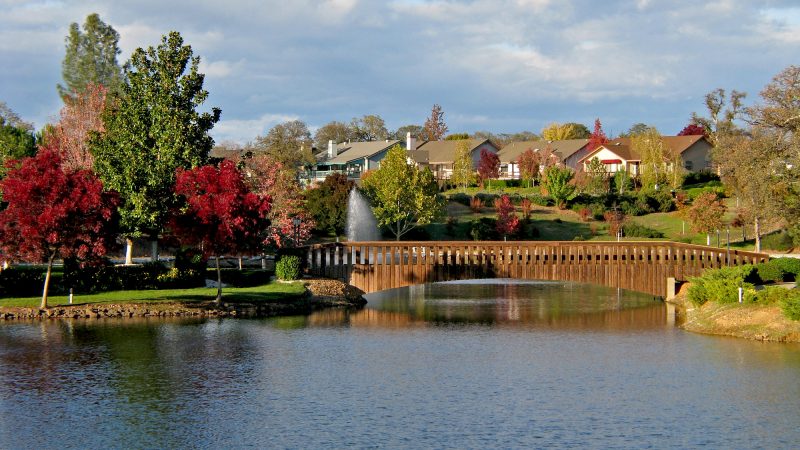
502,66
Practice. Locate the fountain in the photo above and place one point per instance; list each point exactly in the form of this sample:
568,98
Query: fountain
361,223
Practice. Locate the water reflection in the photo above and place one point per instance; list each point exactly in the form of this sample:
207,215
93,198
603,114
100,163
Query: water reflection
502,303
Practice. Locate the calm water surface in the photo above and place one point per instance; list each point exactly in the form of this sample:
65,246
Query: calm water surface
437,366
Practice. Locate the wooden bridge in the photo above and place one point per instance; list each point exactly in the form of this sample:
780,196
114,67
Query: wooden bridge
637,266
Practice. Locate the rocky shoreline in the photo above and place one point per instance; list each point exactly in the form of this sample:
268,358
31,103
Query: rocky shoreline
320,293
756,322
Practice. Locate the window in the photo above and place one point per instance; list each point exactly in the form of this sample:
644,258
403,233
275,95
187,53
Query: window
688,165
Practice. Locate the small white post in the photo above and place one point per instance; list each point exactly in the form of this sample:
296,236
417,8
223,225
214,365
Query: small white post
70,296
741,294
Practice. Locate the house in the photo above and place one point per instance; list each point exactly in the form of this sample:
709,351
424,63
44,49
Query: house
569,152
439,156
349,158
619,154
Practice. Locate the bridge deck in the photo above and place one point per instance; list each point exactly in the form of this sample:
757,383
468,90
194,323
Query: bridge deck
640,266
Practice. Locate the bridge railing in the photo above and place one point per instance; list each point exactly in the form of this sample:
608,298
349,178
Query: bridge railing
639,265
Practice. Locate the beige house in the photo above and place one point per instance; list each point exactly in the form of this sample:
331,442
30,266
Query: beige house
349,158
569,152
618,154
440,155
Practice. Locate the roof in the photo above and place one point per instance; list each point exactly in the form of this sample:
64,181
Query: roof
351,151
623,147
563,149
225,153
439,152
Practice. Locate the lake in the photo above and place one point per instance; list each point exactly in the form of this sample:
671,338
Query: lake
452,365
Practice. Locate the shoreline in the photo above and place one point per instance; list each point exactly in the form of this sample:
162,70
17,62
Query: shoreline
764,323
320,294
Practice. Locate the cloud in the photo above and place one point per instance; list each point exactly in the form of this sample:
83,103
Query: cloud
244,130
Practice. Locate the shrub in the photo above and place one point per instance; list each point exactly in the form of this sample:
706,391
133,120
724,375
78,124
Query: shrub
476,204
790,267
585,214
288,268
632,229
540,200
176,278
483,229
246,278
790,303
526,206
105,277
720,285
464,199
23,281
769,272
779,241
450,225
701,176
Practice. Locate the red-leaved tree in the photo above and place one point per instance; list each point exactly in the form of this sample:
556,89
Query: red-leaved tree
598,136
221,214
81,115
692,130
528,163
268,177
54,213
507,220
488,166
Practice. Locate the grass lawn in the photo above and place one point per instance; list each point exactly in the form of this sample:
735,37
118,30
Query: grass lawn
272,292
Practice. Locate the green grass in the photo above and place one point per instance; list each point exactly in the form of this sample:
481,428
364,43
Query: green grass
267,293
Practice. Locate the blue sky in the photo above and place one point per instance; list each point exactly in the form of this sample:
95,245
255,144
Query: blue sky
501,66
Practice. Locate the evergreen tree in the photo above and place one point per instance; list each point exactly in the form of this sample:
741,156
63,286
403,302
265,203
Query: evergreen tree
91,58
153,130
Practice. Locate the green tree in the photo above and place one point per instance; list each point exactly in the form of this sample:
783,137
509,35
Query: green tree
556,184
152,130
457,137
721,114
597,182
463,172
368,128
328,203
16,137
635,129
402,196
415,130
653,171
288,143
91,58
337,132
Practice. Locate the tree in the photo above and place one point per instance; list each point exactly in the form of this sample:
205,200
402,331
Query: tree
402,196
463,173
722,114
52,213
435,128
529,167
488,166
368,128
653,153
328,203
507,221
16,137
557,185
267,177
91,58
692,130
705,214
416,131
748,166
220,213
598,136
636,129
80,116
597,177
337,132
456,137
153,129
559,132
288,143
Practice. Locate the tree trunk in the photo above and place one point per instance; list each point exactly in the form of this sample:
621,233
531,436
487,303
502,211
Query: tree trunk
708,239
264,261
154,249
218,301
47,280
240,264
128,251
757,232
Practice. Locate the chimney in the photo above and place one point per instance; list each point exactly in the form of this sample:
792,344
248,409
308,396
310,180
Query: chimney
331,150
411,143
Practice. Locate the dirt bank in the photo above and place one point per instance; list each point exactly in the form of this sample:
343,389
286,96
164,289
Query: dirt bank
749,321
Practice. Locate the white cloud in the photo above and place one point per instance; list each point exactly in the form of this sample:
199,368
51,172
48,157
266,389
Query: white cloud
244,130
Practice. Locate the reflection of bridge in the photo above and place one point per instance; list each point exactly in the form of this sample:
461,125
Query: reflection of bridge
638,266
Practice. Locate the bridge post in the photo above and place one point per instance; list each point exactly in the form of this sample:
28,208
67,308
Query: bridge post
671,285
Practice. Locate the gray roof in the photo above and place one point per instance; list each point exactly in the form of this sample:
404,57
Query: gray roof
359,150
564,149
439,152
